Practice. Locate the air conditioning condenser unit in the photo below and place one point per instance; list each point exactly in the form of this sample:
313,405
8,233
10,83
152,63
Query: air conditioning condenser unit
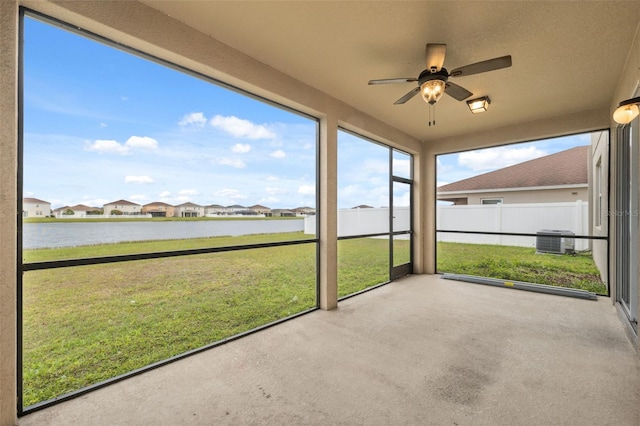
555,241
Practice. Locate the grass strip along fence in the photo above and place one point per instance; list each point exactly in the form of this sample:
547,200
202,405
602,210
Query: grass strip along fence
86,324
521,264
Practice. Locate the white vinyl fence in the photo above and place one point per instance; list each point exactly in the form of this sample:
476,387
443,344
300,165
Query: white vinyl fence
364,221
517,218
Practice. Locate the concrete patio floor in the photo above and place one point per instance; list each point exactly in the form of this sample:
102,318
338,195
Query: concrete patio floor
419,351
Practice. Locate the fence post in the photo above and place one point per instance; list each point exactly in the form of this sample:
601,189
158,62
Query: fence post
578,225
499,219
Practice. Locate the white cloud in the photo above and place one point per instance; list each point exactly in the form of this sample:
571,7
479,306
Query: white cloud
273,190
138,197
93,201
375,166
307,190
103,146
189,192
103,125
273,178
401,168
241,148
194,119
238,164
138,179
269,200
164,194
278,154
143,142
240,128
349,191
496,158
109,146
229,193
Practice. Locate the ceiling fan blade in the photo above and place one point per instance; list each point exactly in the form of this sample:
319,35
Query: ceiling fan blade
435,56
484,66
457,92
408,96
393,80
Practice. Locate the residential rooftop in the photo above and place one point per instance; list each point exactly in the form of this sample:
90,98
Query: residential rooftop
569,167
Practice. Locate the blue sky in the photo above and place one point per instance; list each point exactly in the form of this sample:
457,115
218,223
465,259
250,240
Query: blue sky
458,166
101,125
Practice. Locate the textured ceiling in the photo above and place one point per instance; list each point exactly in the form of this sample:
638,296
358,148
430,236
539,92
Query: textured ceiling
567,55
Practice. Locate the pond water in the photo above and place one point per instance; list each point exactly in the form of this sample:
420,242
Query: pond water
70,234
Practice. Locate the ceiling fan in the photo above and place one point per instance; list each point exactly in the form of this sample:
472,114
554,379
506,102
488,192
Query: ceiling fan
433,82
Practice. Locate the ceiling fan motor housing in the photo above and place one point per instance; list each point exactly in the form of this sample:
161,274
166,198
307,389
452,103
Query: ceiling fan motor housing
427,75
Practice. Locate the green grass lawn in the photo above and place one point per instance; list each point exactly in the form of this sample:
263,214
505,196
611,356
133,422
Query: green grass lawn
86,324
521,264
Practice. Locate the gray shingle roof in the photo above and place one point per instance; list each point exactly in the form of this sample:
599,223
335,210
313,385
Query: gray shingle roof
568,167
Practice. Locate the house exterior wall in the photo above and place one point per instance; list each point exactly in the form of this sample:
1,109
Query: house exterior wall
38,209
515,196
189,210
599,199
215,210
125,208
168,210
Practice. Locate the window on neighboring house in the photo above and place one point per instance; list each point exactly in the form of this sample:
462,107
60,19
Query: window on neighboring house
491,201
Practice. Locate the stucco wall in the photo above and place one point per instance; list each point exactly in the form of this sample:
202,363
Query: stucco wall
600,155
8,209
560,195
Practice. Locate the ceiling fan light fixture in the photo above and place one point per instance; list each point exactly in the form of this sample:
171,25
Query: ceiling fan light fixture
626,111
432,90
479,105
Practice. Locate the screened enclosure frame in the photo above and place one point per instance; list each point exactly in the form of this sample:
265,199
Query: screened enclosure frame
23,267
535,235
394,272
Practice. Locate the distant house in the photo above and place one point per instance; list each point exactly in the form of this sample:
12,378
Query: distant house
259,209
78,211
215,210
159,209
362,206
33,207
282,213
559,177
189,210
235,209
122,207
304,211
